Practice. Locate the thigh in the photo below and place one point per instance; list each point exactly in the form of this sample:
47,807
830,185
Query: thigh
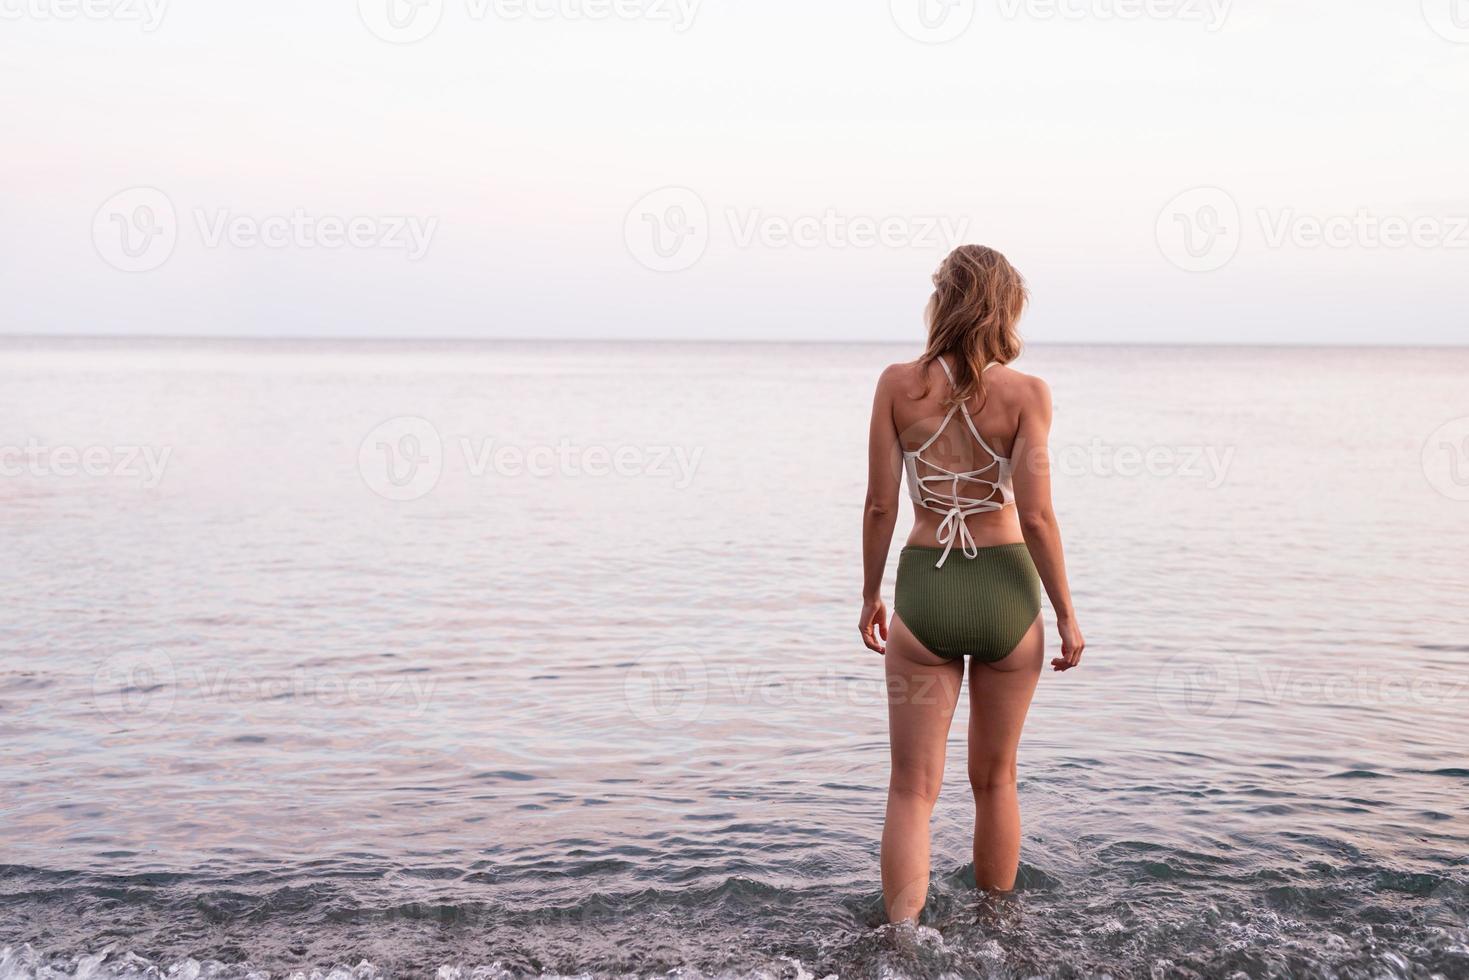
1000,695
922,691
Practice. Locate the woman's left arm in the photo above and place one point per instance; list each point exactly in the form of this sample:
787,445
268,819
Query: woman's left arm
880,513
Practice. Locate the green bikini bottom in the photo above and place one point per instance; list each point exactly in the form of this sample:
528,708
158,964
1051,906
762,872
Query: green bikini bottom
979,607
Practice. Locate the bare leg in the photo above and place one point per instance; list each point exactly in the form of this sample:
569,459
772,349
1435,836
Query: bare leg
999,697
922,691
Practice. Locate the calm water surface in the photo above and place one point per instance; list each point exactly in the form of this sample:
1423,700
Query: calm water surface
494,660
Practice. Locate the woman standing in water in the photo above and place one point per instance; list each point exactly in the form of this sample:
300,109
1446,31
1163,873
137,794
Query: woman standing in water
971,433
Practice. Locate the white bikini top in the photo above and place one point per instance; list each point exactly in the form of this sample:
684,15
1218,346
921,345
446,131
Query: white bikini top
997,476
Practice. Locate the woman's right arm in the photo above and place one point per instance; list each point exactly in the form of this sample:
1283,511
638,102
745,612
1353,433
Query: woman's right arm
1038,517
880,513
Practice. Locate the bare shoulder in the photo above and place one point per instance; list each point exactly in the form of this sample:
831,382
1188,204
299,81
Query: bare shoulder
900,378
1030,390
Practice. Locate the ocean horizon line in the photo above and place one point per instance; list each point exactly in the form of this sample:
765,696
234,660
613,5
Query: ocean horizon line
6,338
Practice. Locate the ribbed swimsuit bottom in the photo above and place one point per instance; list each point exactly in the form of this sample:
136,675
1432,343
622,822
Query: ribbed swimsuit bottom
979,607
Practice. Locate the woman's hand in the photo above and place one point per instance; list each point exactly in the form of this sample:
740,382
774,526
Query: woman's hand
1072,643
874,625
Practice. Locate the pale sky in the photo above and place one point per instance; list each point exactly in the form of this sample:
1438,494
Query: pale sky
1181,171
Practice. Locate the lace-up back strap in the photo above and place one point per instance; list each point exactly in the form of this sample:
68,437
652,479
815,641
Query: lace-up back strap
939,491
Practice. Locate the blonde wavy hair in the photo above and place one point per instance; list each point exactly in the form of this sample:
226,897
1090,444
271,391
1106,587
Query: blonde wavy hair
973,315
